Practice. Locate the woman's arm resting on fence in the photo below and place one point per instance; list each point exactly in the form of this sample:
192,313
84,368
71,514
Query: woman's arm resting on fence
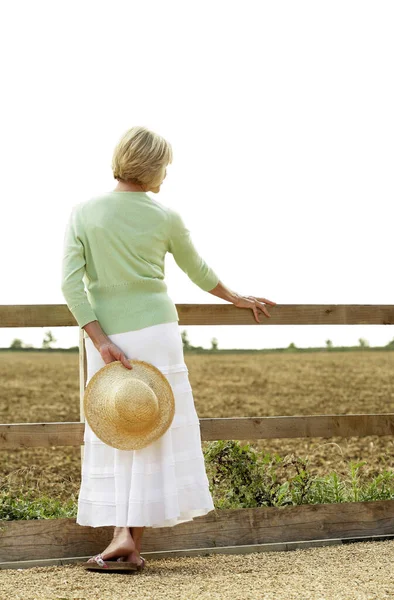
252,302
186,255
221,291
188,259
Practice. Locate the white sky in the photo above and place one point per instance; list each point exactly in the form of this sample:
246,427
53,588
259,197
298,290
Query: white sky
280,115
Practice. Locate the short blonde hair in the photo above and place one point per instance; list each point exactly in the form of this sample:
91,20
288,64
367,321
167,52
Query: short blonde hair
141,156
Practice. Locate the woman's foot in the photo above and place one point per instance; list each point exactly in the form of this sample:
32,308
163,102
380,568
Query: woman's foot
133,557
122,544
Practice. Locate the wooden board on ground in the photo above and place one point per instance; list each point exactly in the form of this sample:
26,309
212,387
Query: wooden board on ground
62,538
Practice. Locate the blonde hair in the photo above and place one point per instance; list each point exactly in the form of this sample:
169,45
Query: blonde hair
140,157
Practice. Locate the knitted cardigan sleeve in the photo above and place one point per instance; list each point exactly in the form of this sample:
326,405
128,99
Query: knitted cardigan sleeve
181,246
73,269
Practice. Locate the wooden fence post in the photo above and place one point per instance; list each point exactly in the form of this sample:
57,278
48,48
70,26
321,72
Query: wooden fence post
82,380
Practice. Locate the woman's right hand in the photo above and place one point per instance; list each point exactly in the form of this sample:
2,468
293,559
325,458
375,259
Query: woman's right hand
254,304
110,352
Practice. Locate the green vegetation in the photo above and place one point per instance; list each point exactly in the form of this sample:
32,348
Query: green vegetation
240,477
16,505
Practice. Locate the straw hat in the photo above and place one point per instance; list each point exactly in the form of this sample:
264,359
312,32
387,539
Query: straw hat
129,408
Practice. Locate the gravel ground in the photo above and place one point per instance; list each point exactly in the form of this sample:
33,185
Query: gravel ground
357,571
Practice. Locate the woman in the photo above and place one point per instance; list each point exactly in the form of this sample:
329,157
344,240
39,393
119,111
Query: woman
116,243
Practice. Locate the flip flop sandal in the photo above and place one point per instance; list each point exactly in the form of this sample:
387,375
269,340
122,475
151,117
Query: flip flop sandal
97,563
138,567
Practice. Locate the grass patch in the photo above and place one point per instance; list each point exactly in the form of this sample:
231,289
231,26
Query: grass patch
15,506
239,477
242,477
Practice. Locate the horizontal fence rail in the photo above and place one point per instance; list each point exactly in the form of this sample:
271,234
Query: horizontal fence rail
59,315
259,528
28,435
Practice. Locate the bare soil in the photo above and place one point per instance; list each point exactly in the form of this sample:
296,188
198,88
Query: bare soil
44,387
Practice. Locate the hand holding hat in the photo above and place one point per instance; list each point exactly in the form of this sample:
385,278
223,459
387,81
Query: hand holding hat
111,352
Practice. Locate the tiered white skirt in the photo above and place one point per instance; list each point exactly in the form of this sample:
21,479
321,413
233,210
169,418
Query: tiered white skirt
165,483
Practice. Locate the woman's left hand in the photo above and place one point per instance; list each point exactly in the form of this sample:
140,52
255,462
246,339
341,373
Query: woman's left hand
110,352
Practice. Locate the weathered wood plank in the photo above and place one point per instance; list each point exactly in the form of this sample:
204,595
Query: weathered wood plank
32,435
58,315
248,428
60,538
29,435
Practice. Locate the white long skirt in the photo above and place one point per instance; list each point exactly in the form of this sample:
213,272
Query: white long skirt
164,483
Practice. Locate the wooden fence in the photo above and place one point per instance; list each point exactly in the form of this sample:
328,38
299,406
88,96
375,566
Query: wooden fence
60,541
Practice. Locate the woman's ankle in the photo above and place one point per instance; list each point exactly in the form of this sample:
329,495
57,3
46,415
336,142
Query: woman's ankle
121,531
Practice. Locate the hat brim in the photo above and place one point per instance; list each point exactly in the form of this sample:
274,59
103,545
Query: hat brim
113,432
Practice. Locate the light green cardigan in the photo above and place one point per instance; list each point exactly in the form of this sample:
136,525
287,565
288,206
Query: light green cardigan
115,244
